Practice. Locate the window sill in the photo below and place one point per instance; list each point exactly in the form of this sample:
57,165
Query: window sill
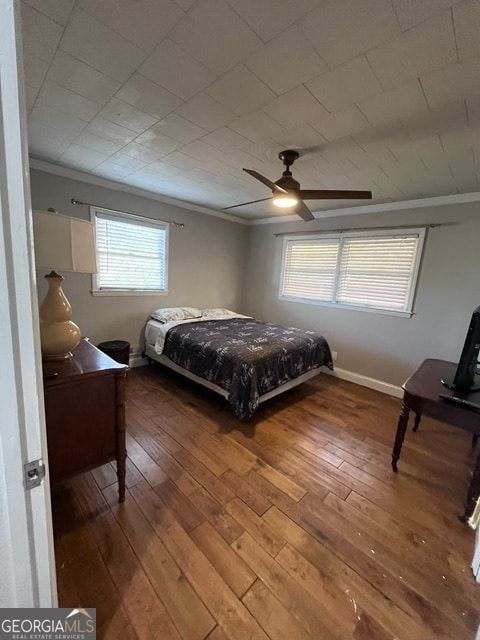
128,292
349,307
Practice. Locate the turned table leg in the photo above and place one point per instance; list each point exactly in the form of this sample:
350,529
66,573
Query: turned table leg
121,472
120,429
416,424
473,492
401,429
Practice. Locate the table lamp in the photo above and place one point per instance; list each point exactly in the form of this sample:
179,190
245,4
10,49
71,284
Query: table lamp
64,244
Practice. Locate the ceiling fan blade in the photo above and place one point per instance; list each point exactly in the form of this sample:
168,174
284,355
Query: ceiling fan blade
266,181
303,211
244,204
287,185
330,194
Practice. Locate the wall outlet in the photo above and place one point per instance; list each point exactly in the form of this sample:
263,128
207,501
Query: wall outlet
334,356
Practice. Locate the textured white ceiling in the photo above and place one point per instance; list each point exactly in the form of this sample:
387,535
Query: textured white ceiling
177,96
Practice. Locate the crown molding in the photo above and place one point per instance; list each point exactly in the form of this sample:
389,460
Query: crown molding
75,174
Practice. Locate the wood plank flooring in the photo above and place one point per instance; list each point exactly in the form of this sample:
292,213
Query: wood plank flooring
288,527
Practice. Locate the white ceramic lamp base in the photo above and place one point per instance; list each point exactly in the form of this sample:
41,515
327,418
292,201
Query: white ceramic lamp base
58,334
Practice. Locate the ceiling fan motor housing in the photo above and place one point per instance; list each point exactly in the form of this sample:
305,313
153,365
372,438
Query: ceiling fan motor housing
288,157
287,182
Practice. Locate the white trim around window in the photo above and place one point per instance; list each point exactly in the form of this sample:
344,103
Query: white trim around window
363,270
132,254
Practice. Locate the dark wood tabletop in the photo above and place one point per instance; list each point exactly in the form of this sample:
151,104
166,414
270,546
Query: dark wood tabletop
87,360
422,393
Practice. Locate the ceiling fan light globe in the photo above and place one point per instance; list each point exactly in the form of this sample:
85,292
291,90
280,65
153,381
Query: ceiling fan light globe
284,201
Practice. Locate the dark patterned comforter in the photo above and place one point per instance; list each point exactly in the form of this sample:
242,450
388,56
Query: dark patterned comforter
246,357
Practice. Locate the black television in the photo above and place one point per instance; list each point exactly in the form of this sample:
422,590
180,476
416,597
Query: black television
465,378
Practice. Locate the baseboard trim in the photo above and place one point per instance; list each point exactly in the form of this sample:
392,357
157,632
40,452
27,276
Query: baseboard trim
136,360
365,381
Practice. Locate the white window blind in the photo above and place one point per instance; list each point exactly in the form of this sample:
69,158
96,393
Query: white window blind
366,270
310,269
377,272
131,253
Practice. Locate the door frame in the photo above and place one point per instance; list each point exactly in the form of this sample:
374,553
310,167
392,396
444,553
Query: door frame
27,559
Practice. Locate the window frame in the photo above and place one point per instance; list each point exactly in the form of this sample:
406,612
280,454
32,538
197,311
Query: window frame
340,236
134,219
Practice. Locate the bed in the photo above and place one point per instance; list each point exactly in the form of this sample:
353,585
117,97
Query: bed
243,359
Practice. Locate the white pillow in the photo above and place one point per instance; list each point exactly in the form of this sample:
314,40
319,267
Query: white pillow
220,314
216,312
167,314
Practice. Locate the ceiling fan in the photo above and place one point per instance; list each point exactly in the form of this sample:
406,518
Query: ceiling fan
287,193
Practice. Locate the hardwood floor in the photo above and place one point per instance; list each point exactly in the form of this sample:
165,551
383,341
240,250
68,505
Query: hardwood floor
289,527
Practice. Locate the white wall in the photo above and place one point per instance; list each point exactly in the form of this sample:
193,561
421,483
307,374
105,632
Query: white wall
207,258
379,346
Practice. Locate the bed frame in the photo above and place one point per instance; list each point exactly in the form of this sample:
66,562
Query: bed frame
151,355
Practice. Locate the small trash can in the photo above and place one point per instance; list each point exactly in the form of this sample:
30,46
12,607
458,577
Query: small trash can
119,350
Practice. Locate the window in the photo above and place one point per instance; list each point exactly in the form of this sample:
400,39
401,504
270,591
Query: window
131,253
372,270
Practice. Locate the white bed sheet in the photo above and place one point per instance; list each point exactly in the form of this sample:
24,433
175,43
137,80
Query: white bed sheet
156,332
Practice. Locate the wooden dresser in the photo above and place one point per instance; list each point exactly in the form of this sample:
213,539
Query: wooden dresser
85,413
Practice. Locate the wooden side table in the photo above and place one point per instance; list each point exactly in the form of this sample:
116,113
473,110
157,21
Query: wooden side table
421,394
85,413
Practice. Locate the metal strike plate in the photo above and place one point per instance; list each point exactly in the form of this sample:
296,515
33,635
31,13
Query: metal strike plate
34,472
